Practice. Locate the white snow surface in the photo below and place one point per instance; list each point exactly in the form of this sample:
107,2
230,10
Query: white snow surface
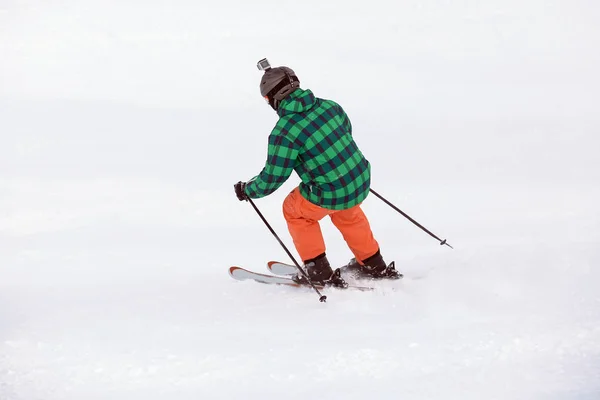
124,125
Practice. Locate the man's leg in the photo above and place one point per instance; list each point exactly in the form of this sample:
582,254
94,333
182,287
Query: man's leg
356,230
354,226
302,219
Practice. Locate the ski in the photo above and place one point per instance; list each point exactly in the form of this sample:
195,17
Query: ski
279,268
283,269
242,274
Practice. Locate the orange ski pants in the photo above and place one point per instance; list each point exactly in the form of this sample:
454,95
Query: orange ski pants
303,218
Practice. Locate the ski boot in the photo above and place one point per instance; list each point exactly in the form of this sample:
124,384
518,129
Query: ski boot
320,273
373,268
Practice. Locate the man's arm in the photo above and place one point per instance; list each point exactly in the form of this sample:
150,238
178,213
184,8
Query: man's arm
281,160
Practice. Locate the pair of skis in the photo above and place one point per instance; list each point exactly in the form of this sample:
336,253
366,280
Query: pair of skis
282,274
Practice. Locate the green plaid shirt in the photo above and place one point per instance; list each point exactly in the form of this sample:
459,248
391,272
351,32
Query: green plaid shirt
314,138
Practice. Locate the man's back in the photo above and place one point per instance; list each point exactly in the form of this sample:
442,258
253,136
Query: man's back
314,137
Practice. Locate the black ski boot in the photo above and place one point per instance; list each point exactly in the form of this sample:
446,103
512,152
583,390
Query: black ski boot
374,268
320,273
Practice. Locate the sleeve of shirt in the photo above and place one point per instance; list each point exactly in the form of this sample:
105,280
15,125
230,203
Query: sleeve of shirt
281,160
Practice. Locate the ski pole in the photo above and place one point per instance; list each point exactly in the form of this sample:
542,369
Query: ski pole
442,242
322,298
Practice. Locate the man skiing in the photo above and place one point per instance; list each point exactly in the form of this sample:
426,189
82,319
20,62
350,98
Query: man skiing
313,137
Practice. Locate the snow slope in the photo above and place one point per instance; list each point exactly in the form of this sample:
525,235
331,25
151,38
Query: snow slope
124,124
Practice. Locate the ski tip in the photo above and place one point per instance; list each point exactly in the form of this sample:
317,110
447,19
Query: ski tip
233,269
272,264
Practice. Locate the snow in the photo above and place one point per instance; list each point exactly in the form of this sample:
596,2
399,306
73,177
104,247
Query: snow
125,124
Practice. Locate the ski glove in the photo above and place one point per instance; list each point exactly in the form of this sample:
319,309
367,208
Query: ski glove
240,191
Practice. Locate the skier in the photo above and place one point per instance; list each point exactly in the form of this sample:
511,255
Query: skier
313,137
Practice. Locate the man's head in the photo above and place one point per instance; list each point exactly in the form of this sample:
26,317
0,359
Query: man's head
277,83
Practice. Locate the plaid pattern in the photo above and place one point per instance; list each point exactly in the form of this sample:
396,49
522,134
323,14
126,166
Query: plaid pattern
314,138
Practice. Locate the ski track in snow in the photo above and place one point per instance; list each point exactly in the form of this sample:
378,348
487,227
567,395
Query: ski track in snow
123,126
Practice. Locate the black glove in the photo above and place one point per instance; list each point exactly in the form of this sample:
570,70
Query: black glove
240,191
